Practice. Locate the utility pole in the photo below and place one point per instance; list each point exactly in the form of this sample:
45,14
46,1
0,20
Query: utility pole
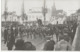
44,11
5,12
23,10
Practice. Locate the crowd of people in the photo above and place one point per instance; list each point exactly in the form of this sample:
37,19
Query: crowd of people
64,35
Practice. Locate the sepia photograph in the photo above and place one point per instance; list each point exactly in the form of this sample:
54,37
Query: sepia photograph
40,25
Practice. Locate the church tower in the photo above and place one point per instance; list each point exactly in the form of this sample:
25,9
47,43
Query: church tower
53,13
54,7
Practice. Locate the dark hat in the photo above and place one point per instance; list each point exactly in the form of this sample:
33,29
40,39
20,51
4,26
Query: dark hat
19,43
29,46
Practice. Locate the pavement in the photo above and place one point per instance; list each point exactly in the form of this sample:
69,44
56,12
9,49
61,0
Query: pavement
3,46
38,42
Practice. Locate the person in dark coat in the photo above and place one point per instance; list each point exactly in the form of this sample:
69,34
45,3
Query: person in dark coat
49,45
12,30
19,45
29,46
21,32
11,42
5,35
16,32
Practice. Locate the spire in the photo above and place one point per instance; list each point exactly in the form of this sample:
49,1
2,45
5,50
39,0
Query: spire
54,7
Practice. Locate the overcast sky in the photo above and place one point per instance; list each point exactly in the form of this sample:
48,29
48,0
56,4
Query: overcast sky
70,6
